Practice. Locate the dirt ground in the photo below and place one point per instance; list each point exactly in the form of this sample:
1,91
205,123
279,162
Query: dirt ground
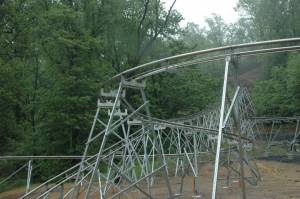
279,181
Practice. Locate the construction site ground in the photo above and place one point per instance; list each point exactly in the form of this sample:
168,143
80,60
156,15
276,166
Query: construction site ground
279,180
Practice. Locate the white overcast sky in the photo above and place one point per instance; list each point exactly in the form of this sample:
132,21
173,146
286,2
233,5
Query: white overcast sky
197,10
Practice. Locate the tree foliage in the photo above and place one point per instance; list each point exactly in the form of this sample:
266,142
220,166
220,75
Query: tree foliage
279,95
275,19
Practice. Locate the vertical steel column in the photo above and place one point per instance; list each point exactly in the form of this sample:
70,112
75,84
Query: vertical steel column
128,148
153,161
47,188
61,195
162,149
216,170
146,159
29,171
103,141
197,178
100,185
228,165
238,130
293,142
269,138
178,159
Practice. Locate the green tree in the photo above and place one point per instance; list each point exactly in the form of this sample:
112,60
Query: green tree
194,37
293,82
279,95
133,28
270,18
187,89
217,32
270,96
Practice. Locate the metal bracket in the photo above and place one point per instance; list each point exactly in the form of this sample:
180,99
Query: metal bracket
111,93
159,127
107,104
134,122
118,112
134,84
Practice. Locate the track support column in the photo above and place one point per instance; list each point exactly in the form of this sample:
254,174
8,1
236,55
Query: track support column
220,129
29,171
87,193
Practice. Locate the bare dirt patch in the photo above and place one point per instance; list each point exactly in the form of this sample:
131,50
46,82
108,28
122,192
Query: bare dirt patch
279,181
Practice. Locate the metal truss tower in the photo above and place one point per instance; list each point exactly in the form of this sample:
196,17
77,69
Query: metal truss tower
134,151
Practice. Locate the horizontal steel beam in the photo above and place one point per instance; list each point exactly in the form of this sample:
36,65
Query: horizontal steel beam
276,118
42,157
76,157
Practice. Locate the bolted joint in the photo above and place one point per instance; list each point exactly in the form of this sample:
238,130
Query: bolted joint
228,58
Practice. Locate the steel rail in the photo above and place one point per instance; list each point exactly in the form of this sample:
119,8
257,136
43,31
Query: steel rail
152,72
207,51
186,126
176,66
176,124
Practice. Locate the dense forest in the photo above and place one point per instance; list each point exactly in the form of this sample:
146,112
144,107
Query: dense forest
56,54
